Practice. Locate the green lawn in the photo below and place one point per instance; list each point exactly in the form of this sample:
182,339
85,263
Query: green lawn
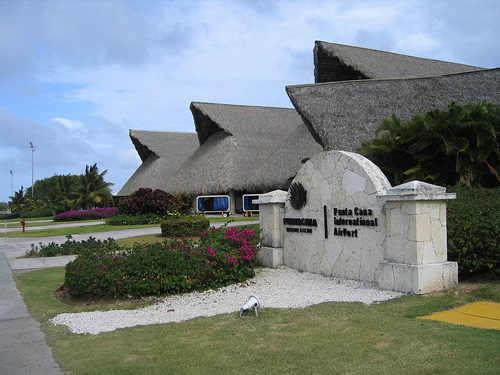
17,220
73,230
31,224
331,338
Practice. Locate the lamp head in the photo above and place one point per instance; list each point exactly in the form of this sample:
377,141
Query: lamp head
252,303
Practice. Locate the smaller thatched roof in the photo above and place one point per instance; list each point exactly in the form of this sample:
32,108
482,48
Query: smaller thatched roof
342,115
239,144
337,62
162,153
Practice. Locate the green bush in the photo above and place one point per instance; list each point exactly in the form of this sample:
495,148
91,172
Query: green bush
149,201
186,226
41,212
10,216
139,219
96,273
71,247
474,231
222,257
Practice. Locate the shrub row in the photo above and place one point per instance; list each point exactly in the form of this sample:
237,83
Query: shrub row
14,215
186,226
41,212
222,257
93,214
71,247
474,231
123,219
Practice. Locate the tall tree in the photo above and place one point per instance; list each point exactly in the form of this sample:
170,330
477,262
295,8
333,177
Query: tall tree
91,189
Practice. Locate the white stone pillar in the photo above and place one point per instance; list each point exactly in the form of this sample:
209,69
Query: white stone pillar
415,253
271,213
232,202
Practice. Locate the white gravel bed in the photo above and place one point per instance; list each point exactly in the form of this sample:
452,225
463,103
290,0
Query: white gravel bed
276,288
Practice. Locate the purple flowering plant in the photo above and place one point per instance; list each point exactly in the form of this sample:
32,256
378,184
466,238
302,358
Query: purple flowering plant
93,214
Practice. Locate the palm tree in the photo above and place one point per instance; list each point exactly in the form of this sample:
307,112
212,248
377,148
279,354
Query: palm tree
91,188
455,146
19,202
66,184
53,199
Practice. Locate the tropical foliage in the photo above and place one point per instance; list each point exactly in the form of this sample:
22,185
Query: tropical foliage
20,202
91,189
457,146
61,193
473,221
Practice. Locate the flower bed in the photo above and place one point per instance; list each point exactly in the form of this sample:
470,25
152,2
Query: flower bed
222,257
93,214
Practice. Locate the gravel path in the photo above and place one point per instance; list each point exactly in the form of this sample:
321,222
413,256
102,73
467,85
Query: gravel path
276,288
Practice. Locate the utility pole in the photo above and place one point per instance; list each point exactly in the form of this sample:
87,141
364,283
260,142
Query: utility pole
32,184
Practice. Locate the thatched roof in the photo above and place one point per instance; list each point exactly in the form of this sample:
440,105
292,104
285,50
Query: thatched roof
342,115
239,144
337,62
162,153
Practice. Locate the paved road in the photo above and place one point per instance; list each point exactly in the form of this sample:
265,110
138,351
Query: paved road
23,349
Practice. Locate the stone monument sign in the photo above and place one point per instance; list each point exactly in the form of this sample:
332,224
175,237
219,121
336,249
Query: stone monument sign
342,218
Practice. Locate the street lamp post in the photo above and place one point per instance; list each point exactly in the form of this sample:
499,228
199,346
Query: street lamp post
32,184
12,182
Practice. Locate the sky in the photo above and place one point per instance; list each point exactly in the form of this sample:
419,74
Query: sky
76,75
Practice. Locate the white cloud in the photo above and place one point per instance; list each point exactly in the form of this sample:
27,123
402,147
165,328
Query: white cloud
72,125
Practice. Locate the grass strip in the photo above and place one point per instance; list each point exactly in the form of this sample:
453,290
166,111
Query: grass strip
32,224
331,338
18,219
73,230
231,218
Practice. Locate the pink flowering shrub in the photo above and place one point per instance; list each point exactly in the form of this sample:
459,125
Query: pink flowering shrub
231,252
223,256
94,214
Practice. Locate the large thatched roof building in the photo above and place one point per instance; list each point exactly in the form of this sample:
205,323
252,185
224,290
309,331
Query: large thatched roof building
236,150
247,149
161,153
342,114
243,149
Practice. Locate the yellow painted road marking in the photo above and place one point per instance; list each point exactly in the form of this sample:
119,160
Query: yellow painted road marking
479,314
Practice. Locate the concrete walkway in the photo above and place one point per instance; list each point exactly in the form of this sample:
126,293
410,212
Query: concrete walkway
23,349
